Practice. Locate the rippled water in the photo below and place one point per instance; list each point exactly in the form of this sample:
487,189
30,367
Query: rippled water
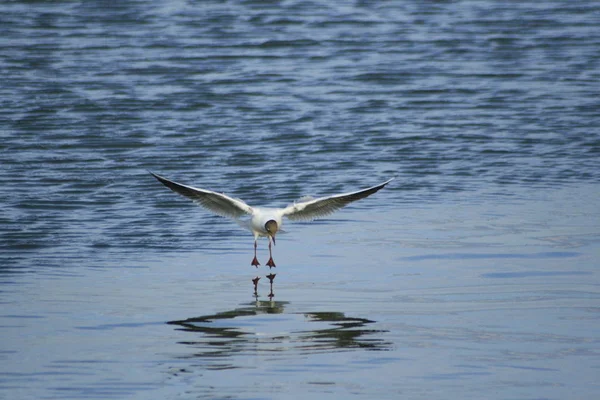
472,275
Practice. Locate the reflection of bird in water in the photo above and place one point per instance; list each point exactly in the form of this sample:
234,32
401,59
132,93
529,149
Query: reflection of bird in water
266,222
226,335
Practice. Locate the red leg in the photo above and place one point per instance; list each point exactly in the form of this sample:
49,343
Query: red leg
270,263
255,261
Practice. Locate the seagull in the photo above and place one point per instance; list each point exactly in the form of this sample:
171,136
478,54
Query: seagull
266,222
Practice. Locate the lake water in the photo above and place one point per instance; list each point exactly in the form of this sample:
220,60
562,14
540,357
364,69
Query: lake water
472,275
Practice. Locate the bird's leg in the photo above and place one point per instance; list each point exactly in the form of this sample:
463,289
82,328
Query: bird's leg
255,261
270,263
271,278
255,282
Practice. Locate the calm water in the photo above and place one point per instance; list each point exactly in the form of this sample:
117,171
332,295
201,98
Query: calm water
472,275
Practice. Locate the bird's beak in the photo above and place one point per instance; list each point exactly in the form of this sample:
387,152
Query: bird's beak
273,237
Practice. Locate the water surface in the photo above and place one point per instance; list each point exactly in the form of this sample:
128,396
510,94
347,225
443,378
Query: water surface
472,275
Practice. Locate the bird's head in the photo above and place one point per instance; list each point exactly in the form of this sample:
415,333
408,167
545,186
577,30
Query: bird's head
271,227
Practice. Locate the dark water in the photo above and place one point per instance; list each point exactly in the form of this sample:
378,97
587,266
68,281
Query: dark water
473,275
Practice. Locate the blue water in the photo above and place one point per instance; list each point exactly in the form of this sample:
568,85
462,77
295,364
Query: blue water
472,275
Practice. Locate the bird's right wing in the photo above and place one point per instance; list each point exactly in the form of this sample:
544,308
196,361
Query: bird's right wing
309,209
218,203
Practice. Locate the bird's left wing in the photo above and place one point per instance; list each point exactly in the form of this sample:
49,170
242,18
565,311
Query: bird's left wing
218,203
310,209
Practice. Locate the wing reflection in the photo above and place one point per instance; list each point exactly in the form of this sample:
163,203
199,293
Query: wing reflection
203,324
264,327
346,332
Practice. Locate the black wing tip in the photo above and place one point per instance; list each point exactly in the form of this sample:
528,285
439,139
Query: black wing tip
168,183
382,185
154,175
158,177
369,191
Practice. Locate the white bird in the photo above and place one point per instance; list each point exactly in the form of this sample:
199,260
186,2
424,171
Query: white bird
266,221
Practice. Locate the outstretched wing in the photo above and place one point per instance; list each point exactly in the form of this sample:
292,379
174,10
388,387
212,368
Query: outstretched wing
310,209
218,203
